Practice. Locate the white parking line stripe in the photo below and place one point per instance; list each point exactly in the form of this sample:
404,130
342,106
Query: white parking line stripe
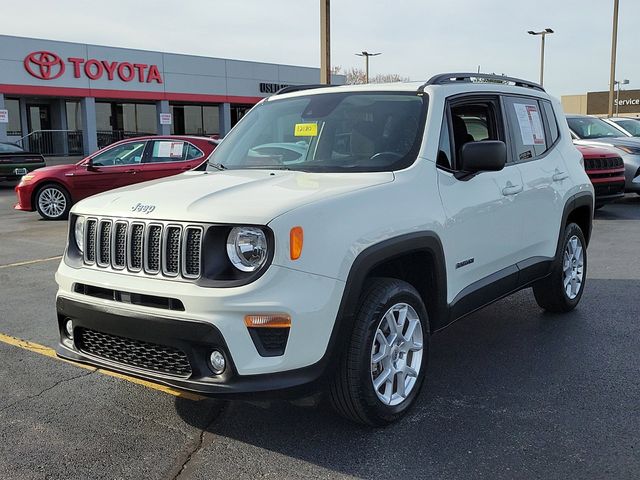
29,262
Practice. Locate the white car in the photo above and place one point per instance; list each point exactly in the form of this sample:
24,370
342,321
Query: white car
332,269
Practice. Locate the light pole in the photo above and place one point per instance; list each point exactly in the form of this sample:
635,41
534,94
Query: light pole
366,56
325,42
543,34
614,46
618,83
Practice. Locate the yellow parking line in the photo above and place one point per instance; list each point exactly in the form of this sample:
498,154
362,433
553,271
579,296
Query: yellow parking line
50,352
29,262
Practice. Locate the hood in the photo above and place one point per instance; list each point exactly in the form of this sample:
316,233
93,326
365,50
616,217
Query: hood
231,196
611,141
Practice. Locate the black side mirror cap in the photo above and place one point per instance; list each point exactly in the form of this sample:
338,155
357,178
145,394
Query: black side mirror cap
485,156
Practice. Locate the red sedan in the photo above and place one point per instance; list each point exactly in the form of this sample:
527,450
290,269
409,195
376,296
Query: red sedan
53,190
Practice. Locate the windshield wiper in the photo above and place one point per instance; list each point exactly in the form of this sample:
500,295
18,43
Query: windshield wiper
217,166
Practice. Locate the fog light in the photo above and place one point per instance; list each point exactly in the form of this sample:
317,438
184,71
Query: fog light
218,363
68,328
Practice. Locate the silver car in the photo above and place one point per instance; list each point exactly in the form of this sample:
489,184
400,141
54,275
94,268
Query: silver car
588,130
629,125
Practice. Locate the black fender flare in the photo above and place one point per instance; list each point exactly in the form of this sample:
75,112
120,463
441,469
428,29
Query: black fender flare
582,199
374,256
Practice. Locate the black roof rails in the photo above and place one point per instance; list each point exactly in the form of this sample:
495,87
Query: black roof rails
444,78
297,88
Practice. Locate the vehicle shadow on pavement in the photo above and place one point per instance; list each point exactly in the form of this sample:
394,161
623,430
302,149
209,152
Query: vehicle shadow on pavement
511,392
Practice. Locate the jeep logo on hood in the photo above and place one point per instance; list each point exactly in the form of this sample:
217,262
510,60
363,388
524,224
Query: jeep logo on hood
143,208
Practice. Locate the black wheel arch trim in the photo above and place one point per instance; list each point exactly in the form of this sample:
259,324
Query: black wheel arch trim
581,199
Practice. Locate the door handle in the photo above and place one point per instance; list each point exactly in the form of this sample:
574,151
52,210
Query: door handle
132,171
511,189
559,176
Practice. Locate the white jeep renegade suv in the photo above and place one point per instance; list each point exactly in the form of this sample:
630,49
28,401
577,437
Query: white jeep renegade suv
330,234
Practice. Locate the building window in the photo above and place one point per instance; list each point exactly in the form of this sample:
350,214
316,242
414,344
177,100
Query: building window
74,117
14,127
195,120
116,121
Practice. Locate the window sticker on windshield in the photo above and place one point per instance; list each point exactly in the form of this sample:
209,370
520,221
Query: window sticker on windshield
530,124
306,130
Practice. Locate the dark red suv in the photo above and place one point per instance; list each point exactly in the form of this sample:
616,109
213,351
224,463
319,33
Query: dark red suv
53,190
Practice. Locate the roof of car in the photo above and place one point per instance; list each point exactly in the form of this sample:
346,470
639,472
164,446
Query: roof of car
449,81
173,137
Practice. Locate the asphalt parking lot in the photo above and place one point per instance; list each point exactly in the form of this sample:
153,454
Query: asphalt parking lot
511,392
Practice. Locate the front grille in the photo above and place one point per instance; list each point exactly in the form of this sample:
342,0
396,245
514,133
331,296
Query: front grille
270,342
134,353
158,249
602,163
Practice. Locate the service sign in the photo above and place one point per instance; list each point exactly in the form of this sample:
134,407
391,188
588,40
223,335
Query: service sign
4,116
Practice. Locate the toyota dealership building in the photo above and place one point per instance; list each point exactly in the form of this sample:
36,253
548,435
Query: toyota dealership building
62,98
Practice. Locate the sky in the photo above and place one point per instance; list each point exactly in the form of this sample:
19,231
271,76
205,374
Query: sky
417,38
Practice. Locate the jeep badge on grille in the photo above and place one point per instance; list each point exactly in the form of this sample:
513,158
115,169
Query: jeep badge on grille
143,208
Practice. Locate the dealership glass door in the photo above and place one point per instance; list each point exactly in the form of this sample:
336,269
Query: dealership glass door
39,123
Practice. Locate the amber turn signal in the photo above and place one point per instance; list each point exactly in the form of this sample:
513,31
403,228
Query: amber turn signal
296,238
268,320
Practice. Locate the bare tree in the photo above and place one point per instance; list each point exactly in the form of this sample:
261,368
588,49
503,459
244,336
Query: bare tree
357,76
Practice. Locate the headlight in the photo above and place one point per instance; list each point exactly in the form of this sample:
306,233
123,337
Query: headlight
78,231
247,248
26,178
631,150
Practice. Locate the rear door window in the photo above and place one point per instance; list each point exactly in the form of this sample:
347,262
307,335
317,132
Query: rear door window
526,127
163,151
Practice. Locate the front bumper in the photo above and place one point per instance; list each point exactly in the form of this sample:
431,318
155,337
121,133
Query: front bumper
195,339
211,318
24,194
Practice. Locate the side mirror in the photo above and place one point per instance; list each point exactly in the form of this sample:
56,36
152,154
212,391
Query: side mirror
486,156
89,164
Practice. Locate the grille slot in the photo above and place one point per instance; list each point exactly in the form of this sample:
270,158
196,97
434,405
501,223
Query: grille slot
172,243
155,248
90,242
104,243
120,245
192,248
152,252
134,353
135,247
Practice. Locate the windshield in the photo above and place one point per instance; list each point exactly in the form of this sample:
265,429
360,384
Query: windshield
330,132
10,148
591,127
631,126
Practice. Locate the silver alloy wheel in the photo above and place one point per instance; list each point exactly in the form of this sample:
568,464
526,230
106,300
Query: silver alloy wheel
396,354
52,202
573,267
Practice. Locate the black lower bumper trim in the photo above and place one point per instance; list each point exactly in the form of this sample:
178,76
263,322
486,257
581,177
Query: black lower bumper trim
195,339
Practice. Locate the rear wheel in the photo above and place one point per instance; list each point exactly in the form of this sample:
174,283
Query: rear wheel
53,202
383,366
562,290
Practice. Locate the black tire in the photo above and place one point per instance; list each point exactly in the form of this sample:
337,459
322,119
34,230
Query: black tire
351,391
56,190
550,293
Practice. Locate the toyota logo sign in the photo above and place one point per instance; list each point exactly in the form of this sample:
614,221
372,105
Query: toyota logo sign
44,65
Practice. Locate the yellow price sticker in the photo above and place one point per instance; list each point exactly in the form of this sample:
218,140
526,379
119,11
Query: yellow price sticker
306,130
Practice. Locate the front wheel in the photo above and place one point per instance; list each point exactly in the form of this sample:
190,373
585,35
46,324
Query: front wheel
384,363
53,202
562,290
